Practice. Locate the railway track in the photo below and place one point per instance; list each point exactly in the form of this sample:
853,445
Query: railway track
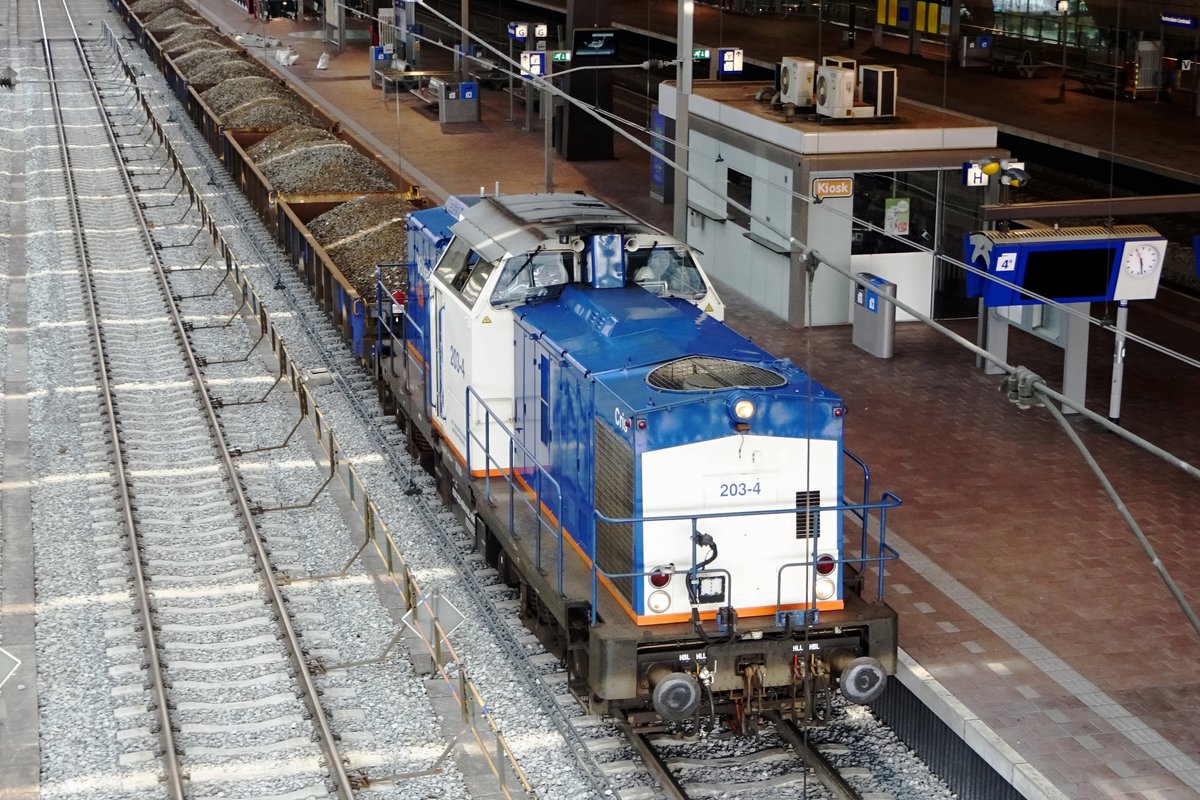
783,761
231,701
165,487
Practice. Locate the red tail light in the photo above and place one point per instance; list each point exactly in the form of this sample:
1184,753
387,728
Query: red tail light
660,578
399,298
826,564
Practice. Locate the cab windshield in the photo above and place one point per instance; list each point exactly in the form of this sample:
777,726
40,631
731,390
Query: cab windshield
532,276
665,271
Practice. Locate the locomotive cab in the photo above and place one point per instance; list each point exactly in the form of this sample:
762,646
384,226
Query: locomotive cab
511,251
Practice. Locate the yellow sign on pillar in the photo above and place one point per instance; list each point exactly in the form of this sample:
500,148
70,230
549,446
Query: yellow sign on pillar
887,12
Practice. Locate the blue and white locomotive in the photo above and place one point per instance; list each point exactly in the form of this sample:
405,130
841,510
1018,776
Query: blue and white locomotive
669,496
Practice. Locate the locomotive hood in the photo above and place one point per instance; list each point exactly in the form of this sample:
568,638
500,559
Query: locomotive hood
620,336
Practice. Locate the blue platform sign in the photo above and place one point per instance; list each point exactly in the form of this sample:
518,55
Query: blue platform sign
379,54
1065,269
729,61
468,90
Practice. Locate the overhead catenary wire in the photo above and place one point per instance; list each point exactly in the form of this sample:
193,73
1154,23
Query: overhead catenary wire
619,124
808,254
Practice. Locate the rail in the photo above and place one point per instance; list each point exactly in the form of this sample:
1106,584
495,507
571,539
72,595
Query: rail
320,721
375,533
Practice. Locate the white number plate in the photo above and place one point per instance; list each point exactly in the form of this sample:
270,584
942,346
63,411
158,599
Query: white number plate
739,488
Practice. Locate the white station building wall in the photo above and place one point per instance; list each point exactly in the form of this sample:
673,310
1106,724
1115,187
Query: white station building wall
735,254
758,260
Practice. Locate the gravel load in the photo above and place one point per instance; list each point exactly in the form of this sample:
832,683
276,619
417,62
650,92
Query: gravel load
229,94
234,68
362,233
189,37
288,139
270,114
201,59
147,10
174,18
325,167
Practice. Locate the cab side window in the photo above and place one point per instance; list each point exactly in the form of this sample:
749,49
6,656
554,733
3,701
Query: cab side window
464,270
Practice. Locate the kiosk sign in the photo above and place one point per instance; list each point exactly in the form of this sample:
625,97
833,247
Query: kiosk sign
823,188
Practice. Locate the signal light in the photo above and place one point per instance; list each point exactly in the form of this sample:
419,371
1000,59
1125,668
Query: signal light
839,411
660,577
826,564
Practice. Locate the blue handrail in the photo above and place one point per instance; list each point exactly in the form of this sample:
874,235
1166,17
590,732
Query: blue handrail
537,472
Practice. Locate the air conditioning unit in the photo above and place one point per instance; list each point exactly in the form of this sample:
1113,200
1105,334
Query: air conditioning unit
839,61
877,88
796,77
834,92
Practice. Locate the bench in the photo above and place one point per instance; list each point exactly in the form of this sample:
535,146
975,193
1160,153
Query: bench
1096,75
415,82
1015,58
426,95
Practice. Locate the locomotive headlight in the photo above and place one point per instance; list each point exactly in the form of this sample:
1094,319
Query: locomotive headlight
742,409
658,602
825,589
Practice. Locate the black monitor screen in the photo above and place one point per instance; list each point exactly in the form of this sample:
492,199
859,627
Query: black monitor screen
1069,273
594,42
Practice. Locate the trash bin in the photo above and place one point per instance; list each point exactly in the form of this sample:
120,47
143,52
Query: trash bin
458,102
874,318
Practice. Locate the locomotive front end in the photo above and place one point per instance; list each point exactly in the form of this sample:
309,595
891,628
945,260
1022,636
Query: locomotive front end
739,561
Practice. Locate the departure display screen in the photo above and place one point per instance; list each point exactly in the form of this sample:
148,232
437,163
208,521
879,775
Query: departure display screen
1070,274
595,42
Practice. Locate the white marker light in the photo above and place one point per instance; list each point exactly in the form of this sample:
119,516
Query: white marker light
658,602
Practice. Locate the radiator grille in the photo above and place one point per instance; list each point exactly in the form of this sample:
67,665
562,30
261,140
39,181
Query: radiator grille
702,374
614,498
808,520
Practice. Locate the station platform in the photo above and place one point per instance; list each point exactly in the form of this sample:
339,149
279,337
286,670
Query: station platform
1020,590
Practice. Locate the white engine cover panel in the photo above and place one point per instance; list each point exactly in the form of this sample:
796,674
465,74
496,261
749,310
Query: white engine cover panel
741,473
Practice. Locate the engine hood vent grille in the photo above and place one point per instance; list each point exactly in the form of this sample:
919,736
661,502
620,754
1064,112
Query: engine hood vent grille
706,374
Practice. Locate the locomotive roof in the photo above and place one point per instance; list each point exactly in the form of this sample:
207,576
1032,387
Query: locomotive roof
519,223
619,335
